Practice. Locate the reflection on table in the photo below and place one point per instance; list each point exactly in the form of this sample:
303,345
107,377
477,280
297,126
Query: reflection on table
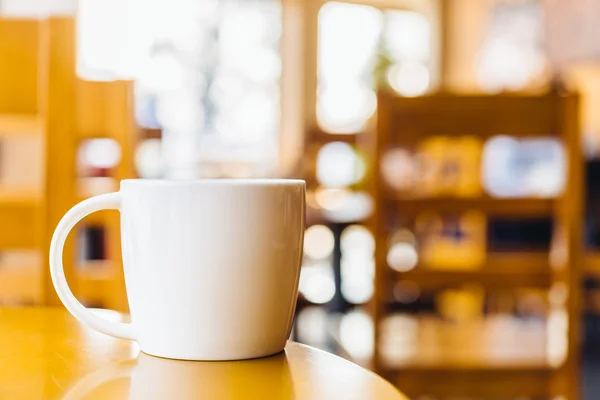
47,354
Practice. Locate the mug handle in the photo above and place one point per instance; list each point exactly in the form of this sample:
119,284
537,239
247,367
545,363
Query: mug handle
109,201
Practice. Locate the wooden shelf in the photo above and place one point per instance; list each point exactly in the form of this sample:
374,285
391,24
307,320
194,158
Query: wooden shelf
320,136
430,280
500,271
18,211
480,115
95,270
93,280
20,124
450,359
150,133
93,186
492,343
523,206
476,382
21,283
20,196
591,263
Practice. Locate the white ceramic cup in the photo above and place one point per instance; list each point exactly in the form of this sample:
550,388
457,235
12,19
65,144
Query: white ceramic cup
211,266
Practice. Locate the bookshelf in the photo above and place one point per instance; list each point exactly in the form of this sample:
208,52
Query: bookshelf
42,98
467,358
22,114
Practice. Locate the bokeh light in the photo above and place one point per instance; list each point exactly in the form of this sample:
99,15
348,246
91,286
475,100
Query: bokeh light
311,325
339,165
409,79
149,160
345,98
357,264
558,294
345,108
557,340
357,291
343,205
357,241
99,153
357,334
357,278
318,242
331,198
407,35
316,283
345,52
402,257
403,236
398,169
354,206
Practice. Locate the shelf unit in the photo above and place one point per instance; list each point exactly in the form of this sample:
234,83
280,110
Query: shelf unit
513,207
41,95
22,112
404,122
20,124
481,358
80,110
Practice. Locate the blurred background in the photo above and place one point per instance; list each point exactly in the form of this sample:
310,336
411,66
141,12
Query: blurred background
449,147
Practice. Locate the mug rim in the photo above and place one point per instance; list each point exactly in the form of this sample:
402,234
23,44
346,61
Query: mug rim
217,181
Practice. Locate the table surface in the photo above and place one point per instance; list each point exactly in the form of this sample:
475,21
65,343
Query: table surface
46,354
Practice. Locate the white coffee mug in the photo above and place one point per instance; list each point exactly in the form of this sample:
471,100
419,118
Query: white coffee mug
211,266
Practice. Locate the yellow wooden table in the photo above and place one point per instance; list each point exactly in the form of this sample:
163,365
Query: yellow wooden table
46,354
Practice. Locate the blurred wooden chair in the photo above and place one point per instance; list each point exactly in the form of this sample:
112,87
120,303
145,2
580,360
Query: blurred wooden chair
41,94
447,362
